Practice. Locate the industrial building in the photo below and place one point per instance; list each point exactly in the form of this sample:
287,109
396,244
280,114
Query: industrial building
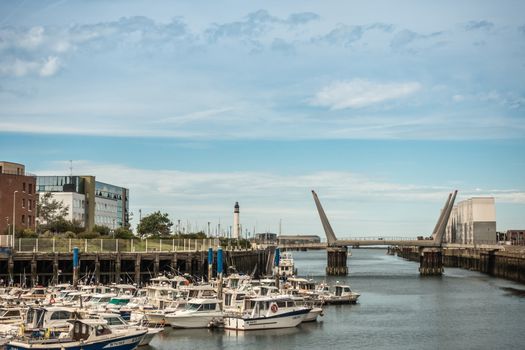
17,198
298,239
472,221
89,202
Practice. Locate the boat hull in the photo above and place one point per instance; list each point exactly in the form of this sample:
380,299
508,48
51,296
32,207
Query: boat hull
192,321
115,343
285,320
313,314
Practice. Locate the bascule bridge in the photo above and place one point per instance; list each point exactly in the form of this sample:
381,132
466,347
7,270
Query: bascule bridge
430,249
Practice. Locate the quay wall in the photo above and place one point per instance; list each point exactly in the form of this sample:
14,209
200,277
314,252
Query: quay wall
45,268
507,263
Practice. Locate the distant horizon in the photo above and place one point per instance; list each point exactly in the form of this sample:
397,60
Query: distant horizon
382,108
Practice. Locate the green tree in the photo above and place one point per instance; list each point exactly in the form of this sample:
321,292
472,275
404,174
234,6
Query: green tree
50,212
102,230
155,225
123,233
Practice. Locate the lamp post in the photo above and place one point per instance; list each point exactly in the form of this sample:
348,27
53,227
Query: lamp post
14,216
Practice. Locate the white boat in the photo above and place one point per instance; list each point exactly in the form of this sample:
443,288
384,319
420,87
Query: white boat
34,294
88,334
11,315
286,265
267,313
115,321
198,313
51,317
343,295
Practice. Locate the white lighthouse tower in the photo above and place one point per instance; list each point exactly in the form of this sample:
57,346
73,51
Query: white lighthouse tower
236,225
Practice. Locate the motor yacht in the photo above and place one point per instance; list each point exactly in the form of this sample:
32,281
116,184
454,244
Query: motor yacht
268,312
198,313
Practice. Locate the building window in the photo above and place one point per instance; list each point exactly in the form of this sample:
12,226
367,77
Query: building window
29,203
30,188
24,186
23,202
29,219
23,219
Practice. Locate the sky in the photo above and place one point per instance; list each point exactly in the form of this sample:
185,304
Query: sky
382,108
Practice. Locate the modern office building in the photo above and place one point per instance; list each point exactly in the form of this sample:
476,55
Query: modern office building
89,202
17,198
472,221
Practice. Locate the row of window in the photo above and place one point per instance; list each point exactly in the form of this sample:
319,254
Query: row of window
29,204
106,207
30,188
78,203
107,221
29,220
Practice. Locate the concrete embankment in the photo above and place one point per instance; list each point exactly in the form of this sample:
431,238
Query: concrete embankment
505,262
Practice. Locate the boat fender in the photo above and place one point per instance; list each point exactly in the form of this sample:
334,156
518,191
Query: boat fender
274,308
52,300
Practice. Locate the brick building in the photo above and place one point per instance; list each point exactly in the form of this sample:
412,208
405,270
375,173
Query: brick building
17,196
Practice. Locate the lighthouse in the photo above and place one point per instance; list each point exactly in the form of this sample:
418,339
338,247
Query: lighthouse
236,225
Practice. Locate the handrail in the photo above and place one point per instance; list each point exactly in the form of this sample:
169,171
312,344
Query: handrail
109,245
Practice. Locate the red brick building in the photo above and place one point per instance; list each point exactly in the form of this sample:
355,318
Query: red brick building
18,196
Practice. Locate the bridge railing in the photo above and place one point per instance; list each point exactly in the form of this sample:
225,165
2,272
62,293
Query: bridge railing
64,245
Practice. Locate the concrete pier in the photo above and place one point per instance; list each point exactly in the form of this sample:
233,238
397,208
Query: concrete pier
336,261
430,262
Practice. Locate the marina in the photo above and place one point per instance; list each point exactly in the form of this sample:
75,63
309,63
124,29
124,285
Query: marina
388,286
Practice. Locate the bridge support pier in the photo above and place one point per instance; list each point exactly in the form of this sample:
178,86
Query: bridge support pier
430,262
336,261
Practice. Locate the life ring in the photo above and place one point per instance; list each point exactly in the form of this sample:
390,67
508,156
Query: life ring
274,308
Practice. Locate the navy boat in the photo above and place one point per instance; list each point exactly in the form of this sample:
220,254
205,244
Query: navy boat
87,334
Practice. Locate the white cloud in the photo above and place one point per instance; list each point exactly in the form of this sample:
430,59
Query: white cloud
358,93
19,68
266,198
50,66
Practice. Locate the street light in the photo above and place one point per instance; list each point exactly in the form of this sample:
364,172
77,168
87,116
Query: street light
14,216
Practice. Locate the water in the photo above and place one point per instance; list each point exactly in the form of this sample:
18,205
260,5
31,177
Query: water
397,309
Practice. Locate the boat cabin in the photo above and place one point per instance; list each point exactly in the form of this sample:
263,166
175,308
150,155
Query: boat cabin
88,329
48,317
37,293
203,305
11,315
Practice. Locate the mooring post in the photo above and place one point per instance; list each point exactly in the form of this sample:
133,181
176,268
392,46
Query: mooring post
137,269
75,266
219,273
210,263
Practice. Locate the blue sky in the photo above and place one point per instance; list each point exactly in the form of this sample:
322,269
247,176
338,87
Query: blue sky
383,109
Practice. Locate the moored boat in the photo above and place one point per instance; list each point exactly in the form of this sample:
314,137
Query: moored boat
267,313
88,334
198,313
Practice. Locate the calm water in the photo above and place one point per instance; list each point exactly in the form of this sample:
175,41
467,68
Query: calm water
397,309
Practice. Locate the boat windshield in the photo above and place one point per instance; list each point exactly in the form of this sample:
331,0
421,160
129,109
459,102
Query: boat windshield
115,321
193,307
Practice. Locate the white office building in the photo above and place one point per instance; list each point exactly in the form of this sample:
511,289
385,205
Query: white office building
472,221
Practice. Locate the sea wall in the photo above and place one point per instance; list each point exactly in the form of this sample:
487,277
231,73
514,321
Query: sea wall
508,263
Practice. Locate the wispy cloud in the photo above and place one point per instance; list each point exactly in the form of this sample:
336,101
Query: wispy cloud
359,93
482,24
203,196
